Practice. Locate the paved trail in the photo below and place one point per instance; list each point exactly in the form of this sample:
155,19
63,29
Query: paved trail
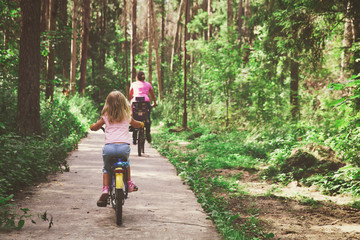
163,208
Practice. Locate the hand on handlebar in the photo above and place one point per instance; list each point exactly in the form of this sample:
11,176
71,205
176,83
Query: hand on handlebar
154,105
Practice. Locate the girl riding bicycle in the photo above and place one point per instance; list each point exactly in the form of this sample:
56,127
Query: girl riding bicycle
142,89
116,116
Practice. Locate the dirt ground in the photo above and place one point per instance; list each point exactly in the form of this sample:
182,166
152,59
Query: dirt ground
163,208
295,212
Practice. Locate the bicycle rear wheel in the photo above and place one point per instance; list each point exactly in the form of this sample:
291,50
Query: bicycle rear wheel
119,201
141,141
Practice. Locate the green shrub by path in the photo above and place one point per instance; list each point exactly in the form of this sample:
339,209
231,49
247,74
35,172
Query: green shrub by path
27,159
197,166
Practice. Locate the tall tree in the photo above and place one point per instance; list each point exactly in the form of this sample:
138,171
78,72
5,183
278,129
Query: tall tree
126,46
187,38
64,45
133,41
247,33
73,48
150,41
176,37
162,44
50,68
209,10
28,107
240,22
230,13
156,46
84,44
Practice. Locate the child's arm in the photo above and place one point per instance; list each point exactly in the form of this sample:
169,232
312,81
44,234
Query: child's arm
136,124
98,125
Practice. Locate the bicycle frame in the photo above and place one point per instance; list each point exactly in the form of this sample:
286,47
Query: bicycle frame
119,188
120,172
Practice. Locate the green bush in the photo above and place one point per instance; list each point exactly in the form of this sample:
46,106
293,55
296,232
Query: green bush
26,159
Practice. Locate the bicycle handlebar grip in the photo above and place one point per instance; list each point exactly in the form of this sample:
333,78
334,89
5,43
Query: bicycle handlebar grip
142,124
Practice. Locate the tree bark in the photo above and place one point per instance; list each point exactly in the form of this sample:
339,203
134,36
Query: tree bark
187,37
230,14
156,46
240,22
73,48
176,37
50,69
64,46
126,46
209,10
162,49
84,45
294,88
150,41
28,106
247,34
133,41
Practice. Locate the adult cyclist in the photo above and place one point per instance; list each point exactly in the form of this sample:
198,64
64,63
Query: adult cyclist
142,91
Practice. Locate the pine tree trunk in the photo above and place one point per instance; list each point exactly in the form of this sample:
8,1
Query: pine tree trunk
156,46
294,88
176,37
230,14
64,46
162,50
126,46
247,34
50,70
150,41
84,45
240,22
43,30
28,106
133,41
73,48
209,10
187,37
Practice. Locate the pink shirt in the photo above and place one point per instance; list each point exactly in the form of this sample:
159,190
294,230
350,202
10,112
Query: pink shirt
116,132
141,89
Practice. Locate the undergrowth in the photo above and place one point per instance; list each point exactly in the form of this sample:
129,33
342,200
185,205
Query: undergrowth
279,155
28,159
197,167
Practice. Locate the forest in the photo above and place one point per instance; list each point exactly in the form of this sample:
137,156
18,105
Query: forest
270,87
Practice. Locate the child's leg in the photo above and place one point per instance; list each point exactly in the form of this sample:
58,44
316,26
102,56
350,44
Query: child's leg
106,182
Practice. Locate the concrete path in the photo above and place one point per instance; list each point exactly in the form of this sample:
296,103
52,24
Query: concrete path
163,208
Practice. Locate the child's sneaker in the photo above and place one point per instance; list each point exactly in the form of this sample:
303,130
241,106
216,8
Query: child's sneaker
102,202
132,187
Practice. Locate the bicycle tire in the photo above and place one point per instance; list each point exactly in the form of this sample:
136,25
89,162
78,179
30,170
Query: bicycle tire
141,141
119,201
112,193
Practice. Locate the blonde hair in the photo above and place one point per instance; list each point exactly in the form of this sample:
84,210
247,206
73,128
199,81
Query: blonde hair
117,107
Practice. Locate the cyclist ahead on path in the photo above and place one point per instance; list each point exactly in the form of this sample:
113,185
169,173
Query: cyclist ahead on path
116,116
142,90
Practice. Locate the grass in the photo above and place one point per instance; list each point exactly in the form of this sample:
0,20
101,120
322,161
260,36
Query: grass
198,167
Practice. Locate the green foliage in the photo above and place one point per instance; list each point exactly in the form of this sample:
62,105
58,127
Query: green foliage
196,166
25,159
345,180
9,218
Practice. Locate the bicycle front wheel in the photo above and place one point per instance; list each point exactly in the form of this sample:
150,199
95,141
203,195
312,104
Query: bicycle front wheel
119,196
